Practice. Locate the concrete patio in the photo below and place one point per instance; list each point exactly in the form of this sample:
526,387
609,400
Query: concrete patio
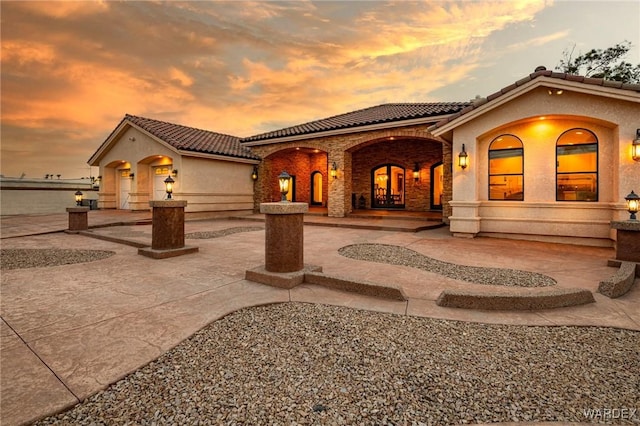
69,331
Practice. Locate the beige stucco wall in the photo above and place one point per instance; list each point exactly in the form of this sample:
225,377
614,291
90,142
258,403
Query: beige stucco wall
214,185
613,121
207,184
26,196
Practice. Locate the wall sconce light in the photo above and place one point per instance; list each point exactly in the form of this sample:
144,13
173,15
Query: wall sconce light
283,181
254,173
78,195
635,147
416,172
334,170
633,202
463,158
174,173
168,183
555,91
132,175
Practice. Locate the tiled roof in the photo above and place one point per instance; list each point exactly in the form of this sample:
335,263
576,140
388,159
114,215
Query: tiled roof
191,139
540,72
374,115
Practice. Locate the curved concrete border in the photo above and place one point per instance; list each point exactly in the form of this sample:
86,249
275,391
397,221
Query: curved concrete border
621,282
549,299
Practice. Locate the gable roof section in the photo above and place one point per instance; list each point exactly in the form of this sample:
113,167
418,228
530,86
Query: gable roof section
184,139
377,115
540,73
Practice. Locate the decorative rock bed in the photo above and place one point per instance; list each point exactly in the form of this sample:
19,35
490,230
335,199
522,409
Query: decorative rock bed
396,255
37,258
312,364
222,233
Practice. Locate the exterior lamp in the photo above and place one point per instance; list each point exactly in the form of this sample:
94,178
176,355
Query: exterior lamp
174,173
635,147
283,181
416,172
168,183
334,170
463,158
254,173
633,202
132,175
78,195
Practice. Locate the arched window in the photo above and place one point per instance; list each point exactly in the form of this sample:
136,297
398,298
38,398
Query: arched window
577,166
316,188
506,169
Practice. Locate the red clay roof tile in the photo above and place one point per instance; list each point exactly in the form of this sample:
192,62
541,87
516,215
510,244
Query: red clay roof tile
373,115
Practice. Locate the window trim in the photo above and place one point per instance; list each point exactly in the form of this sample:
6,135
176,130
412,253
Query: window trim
503,174
596,172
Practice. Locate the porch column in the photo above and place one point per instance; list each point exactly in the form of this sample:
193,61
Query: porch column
339,202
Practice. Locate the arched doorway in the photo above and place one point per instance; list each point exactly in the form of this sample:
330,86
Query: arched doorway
437,186
387,183
316,188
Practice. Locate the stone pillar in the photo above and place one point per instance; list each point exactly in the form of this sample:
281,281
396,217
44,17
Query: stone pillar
284,240
167,230
627,240
78,219
283,246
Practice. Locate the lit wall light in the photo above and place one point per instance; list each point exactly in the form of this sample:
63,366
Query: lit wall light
555,92
78,195
168,183
254,173
633,202
635,147
334,170
283,180
463,158
416,172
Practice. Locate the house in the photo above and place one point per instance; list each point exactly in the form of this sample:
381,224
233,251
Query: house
546,158
211,170
383,157
549,158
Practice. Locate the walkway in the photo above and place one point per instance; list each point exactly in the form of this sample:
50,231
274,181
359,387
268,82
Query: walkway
69,331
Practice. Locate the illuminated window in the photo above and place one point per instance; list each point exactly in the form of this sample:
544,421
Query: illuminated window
577,166
506,165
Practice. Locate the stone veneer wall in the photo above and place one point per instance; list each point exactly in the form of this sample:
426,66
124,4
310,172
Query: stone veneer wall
344,150
404,153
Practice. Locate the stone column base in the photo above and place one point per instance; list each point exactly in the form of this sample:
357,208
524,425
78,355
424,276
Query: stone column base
286,280
164,254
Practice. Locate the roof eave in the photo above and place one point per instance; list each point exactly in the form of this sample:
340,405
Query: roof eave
610,92
346,130
221,157
94,160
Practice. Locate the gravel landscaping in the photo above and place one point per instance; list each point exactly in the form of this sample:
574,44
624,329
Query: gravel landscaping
396,255
222,232
300,363
36,258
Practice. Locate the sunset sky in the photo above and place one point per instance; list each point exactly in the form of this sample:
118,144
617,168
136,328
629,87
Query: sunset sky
71,70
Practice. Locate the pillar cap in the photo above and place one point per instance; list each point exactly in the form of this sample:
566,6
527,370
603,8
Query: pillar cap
284,208
626,225
77,209
168,203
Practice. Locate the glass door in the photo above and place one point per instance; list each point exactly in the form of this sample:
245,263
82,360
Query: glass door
387,183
